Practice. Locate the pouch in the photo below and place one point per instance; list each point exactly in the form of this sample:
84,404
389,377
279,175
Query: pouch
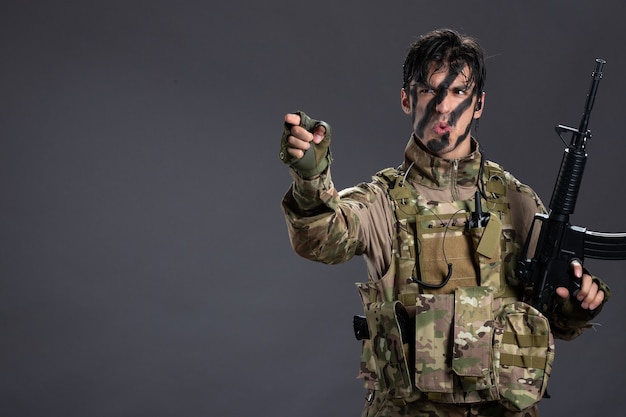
387,323
473,339
433,325
523,355
454,345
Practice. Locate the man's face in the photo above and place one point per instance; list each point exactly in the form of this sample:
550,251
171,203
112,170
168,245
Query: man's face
442,109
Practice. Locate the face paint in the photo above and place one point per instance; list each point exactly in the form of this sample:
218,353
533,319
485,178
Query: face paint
438,131
454,117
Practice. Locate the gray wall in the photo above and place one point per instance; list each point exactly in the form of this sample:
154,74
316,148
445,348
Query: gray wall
145,268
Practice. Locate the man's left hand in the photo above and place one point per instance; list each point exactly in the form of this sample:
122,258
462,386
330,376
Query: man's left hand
589,295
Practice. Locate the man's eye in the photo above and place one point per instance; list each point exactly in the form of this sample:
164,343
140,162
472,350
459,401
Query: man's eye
461,92
427,90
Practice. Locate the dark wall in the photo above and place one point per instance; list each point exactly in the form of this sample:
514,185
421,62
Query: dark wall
145,267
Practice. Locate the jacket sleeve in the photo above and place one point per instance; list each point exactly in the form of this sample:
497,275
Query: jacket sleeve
328,226
568,320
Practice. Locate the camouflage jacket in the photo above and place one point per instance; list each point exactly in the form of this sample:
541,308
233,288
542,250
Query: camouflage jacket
331,227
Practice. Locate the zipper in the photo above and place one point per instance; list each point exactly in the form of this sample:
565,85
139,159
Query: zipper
453,175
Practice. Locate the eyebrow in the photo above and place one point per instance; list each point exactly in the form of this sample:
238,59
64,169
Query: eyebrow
464,87
456,87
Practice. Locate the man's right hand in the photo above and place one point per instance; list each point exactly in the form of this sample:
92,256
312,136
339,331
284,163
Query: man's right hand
300,139
305,144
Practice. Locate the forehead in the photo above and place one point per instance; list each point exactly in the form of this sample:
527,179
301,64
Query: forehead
443,73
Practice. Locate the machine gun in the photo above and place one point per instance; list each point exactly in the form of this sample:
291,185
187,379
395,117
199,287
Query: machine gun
560,242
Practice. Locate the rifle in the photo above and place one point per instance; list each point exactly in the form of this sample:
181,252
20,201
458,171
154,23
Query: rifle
560,242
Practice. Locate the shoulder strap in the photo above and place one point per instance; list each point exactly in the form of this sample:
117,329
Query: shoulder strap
496,186
404,198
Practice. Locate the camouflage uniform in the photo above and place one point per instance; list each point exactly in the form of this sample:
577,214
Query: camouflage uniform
331,227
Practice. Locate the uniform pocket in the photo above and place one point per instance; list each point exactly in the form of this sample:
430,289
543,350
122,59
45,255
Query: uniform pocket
433,326
473,338
523,355
387,322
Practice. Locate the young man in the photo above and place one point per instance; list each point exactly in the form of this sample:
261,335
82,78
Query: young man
447,332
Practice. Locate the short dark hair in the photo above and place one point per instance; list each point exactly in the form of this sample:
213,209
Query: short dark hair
443,47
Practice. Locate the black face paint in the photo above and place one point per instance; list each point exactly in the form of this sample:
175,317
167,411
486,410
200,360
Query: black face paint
437,145
456,114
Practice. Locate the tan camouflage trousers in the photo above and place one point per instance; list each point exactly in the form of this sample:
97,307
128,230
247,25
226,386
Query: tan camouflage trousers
378,406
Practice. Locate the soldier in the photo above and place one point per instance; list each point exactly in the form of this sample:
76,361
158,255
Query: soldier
447,331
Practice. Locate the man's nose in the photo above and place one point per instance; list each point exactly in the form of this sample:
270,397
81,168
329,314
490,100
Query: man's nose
443,104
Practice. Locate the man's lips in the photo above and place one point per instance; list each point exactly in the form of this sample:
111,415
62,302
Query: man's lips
441,128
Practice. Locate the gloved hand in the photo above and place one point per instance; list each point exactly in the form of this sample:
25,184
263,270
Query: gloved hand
317,156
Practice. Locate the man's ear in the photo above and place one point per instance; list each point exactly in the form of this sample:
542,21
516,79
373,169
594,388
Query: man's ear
479,106
405,102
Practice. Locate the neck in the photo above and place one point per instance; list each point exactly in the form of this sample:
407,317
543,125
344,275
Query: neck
435,171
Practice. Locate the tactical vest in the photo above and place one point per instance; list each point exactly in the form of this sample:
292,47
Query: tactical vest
445,323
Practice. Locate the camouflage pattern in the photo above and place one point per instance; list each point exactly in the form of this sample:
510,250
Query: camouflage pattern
390,349
433,321
392,226
378,405
453,347
442,366
502,363
323,225
523,355
462,321
435,233
473,334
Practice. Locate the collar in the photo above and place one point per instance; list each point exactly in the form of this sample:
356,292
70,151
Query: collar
437,173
